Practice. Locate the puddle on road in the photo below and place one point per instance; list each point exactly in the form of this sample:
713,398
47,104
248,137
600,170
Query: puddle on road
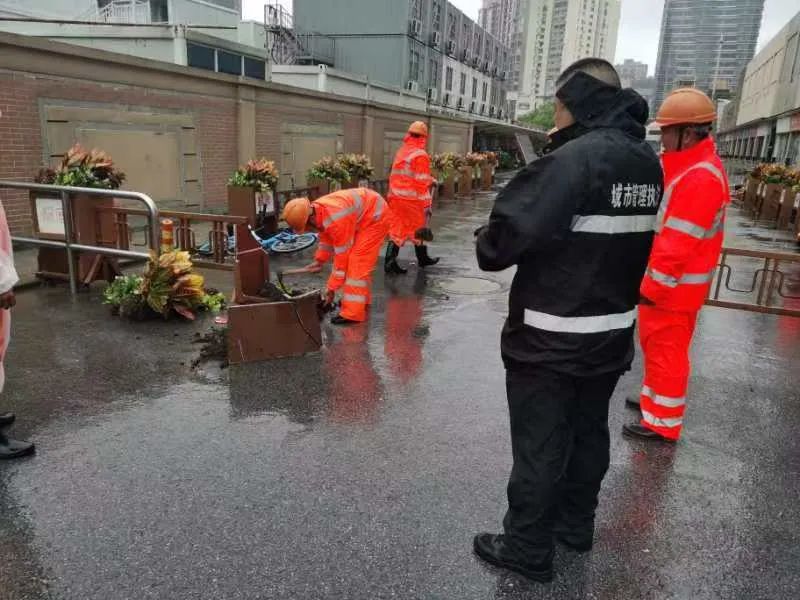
468,285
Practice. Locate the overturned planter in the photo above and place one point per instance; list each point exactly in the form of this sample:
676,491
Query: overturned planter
260,329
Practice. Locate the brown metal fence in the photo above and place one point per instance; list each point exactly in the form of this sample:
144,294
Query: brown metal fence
757,281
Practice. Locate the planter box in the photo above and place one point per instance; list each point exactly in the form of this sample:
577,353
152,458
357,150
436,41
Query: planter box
486,178
248,203
449,187
89,226
787,201
264,330
465,182
770,206
751,193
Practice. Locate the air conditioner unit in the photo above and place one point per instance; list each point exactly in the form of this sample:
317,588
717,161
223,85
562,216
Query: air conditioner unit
415,27
436,39
433,94
412,86
451,48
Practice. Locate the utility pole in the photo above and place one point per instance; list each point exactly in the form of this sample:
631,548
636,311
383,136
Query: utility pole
716,68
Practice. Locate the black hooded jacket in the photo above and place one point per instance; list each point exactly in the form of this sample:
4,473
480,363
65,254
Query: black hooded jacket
578,224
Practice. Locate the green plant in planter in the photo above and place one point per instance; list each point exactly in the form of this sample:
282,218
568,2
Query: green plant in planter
169,284
358,166
261,175
80,168
330,170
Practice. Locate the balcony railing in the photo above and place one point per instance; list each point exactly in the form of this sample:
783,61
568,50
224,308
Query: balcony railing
135,12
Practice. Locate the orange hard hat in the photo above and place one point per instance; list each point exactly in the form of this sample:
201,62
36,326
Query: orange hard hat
418,128
296,214
686,106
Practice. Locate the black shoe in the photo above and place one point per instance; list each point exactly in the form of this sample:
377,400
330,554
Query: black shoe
424,233
639,431
492,549
423,260
340,320
14,448
390,264
6,419
575,543
633,402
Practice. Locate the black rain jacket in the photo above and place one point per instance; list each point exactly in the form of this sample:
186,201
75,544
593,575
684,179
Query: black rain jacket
578,224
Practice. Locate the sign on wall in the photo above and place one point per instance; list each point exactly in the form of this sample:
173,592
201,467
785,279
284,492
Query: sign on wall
49,218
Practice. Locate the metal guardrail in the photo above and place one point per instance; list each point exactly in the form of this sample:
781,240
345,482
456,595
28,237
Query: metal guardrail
767,284
69,244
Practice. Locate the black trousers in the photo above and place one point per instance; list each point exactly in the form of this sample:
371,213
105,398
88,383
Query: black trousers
560,443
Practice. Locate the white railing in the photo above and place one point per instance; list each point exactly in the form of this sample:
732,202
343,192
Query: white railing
124,11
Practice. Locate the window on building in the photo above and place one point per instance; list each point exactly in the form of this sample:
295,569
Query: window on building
436,19
201,57
413,67
433,74
416,9
255,68
474,87
228,62
159,11
448,79
463,87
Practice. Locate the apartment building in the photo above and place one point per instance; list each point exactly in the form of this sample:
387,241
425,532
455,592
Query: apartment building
632,70
545,37
706,45
427,47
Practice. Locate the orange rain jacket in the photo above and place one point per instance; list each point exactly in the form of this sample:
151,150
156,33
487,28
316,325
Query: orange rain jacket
353,225
689,229
409,189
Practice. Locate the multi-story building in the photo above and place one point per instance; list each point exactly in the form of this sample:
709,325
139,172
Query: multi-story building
427,47
763,121
706,45
546,36
632,70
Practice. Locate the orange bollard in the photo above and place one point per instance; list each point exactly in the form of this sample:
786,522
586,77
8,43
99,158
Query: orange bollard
167,235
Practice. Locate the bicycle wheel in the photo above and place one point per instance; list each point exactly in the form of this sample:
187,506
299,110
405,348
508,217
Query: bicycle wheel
300,242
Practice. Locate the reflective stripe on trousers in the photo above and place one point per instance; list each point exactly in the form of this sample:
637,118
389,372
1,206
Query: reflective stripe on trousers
686,278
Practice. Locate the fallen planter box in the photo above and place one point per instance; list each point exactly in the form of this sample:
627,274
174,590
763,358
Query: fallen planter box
264,330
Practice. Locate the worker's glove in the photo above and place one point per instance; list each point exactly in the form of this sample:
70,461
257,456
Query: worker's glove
424,233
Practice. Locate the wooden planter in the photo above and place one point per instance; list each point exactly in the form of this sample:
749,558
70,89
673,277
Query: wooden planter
486,178
786,208
90,227
449,187
770,206
465,182
259,329
247,202
751,193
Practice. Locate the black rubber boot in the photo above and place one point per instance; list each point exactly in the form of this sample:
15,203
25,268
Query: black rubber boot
14,448
493,549
423,260
6,419
390,264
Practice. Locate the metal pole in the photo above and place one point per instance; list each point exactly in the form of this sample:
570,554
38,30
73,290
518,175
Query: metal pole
716,69
68,239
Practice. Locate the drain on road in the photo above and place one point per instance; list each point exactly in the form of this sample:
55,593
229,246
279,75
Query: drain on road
468,285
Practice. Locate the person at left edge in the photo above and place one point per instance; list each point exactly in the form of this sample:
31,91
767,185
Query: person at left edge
578,224
352,225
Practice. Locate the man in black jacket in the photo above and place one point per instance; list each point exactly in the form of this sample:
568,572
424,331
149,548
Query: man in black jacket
578,224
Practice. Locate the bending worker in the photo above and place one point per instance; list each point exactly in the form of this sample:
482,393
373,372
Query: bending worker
352,225
689,236
409,196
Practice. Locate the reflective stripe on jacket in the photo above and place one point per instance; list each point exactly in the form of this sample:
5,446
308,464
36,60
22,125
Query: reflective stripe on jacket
689,230
410,178
339,216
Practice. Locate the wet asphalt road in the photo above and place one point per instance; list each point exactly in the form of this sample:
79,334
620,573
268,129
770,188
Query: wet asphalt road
362,472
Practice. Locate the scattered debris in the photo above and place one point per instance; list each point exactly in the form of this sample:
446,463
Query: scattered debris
214,347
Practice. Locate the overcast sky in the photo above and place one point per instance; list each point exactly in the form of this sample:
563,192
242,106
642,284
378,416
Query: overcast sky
638,31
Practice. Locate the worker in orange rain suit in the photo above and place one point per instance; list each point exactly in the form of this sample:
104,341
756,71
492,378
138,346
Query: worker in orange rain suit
689,236
410,198
352,225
